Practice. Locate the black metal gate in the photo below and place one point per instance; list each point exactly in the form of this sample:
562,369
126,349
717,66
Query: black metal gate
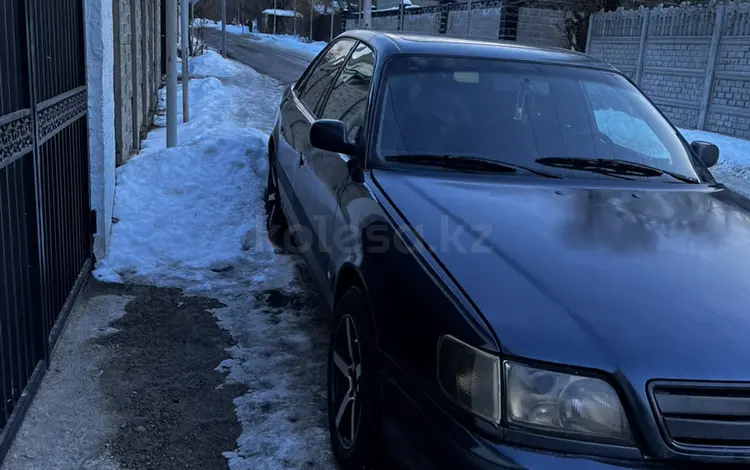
45,239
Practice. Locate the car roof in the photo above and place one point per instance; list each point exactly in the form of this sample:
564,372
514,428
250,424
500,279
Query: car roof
397,43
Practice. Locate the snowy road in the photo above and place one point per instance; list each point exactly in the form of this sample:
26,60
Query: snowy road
283,64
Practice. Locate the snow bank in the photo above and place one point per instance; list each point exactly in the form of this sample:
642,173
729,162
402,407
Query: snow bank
185,212
180,208
211,64
295,43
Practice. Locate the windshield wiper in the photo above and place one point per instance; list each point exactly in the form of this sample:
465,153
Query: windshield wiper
465,163
611,166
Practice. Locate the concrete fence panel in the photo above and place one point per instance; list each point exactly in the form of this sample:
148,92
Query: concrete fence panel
421,20
692,60
543,25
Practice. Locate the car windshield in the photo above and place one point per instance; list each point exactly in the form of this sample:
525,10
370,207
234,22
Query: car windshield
519,113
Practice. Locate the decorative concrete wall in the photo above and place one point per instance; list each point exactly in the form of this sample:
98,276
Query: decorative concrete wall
693,61
137,71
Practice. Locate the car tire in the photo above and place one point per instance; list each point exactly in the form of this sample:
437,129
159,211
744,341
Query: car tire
276,223
354,375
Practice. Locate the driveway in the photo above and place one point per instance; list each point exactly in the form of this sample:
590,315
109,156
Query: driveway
282,64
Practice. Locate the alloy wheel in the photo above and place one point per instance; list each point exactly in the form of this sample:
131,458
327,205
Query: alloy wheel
347,377
271,193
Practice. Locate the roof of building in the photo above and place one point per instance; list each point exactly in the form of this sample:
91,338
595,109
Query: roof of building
277,12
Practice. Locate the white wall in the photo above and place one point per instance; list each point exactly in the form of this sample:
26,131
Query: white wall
101,107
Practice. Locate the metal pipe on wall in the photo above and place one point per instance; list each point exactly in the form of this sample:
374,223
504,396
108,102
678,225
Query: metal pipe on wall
367,17
224,28
332,15
171,20
185,78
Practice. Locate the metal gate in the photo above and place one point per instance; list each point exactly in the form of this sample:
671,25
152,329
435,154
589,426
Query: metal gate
45,239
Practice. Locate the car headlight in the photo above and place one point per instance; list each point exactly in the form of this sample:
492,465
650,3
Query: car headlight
470,377
566,403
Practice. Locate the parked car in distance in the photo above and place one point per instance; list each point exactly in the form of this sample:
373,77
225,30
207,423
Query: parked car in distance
527,265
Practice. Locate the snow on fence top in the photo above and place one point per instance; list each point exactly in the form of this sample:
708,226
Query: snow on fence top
278,12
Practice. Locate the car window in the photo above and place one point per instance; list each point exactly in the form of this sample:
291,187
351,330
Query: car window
348,99
518,112
621,122
324,72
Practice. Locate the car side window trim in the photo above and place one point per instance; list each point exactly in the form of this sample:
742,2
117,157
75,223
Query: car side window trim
327,93
309,73
302,82
370,95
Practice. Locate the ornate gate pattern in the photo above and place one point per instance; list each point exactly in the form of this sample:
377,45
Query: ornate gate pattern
45,235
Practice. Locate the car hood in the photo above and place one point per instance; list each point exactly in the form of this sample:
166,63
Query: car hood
650,280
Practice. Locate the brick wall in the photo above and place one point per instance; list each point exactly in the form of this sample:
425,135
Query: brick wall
137,71
693,61
542,27
482,23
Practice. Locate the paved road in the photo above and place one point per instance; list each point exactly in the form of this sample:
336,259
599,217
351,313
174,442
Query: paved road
281,64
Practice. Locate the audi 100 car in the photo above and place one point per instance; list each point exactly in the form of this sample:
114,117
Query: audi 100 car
527,265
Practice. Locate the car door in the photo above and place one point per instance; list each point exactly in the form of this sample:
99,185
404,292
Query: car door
297,112
322,174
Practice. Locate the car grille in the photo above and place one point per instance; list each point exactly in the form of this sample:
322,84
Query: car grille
704,416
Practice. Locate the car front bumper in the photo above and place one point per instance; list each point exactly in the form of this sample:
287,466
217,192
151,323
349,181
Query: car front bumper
419,435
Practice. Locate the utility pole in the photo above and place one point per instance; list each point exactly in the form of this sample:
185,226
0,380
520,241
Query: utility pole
367,17
171,72
294,27
312,15
224,28
332,14
185,78
274,16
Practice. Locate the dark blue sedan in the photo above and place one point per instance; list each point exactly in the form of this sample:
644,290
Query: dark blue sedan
527,265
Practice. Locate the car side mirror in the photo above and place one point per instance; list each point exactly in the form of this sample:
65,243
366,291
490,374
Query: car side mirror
706,151
331,135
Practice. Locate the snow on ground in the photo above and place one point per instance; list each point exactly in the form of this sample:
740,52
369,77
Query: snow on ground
212,64
296,43
283,41
192,217
732,170
285,13
231,28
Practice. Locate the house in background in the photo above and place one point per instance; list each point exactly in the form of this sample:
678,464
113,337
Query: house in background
287,21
